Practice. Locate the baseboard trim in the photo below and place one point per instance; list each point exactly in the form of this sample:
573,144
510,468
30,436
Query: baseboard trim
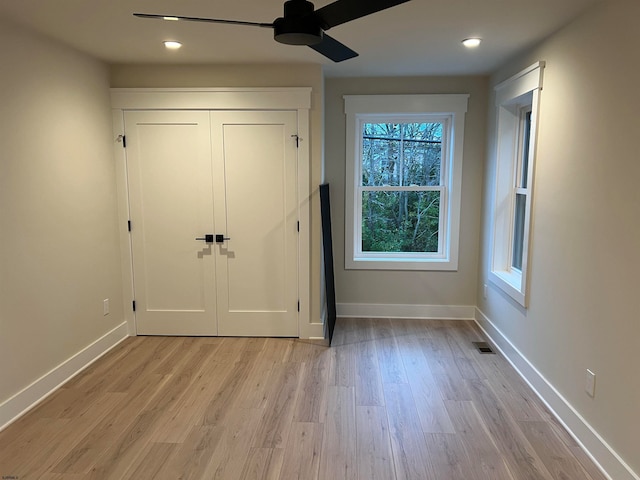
315,330
369,310
23,401
609,462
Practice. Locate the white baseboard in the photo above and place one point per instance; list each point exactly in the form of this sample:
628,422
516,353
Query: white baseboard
368,310
611,464
30,396
314,331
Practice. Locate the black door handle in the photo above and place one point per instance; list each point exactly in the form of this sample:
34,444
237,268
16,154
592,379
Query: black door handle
207,238
221,238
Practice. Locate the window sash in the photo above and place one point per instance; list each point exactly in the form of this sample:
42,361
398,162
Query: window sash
445,151
519,219
401,140
518,244
524,144
410,188
445,121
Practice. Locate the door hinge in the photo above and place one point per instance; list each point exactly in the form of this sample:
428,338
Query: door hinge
134,305
297,140
298,305
129,225
124,141
298,225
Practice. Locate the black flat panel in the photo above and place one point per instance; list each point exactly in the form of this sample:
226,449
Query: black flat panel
325,210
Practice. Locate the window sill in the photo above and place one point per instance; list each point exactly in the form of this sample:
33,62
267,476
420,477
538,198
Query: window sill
511,284
401,264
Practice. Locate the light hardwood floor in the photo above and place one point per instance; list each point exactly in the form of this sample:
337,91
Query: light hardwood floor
390,400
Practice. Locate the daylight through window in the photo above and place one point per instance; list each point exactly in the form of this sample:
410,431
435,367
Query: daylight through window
401,186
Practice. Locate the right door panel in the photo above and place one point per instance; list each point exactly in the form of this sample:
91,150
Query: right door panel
255,200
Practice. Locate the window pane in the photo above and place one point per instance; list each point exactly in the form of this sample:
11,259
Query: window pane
526,142
421,164
401,154
380,162
400,221
518,231
422,153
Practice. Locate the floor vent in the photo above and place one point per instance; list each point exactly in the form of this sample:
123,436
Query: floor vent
483,347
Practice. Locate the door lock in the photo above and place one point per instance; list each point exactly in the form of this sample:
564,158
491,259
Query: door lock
207,238
221,238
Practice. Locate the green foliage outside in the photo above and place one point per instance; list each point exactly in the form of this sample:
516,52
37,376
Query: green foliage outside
401,155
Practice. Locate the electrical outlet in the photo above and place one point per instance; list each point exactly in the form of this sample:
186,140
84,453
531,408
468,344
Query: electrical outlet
105,306
590,383
484,291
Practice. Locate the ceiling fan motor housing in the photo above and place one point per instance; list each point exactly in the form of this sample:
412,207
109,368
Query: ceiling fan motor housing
298,26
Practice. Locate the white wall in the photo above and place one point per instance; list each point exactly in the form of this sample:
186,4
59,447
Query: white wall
59,251
585,254
408,287
293,75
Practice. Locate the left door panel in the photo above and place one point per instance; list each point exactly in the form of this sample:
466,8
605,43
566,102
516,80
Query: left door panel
171,204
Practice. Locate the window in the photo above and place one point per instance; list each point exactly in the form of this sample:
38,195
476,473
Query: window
521,190
517,102
404,167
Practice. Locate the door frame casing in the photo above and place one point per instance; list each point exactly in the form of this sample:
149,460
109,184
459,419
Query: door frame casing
291,99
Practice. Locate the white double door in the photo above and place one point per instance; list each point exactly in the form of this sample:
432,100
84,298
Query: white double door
226,173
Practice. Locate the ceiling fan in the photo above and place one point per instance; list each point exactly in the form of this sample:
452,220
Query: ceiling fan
302,25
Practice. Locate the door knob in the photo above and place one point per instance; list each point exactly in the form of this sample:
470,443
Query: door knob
207,238
221,238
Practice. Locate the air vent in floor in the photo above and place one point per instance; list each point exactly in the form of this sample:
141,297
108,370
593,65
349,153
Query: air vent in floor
483,347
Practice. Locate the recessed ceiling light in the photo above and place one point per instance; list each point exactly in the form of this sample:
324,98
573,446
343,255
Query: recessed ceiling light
471,42
171,45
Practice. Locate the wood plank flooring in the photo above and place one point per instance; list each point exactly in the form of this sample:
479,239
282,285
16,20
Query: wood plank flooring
392,399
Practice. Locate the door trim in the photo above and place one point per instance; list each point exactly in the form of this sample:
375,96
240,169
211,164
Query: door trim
295,99
276,98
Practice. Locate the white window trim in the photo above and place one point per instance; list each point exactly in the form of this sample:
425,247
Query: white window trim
451,107
511,95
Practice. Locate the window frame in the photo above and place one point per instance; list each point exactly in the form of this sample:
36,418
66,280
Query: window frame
514,98
449,109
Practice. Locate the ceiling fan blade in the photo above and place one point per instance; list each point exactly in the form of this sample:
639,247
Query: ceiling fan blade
333,49
199,19
343,11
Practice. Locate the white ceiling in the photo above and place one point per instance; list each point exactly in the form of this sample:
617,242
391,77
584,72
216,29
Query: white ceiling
421,37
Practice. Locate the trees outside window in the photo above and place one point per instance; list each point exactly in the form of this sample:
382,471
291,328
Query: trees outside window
401,186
